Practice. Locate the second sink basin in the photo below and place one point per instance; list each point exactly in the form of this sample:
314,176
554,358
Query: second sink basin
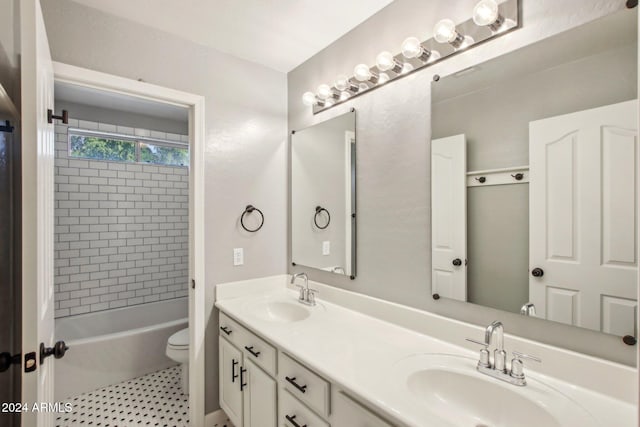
452,391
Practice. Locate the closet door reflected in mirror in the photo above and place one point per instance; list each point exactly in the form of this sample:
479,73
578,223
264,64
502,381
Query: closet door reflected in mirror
323,223
534,179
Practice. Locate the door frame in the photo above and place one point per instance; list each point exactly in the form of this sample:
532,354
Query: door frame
195,104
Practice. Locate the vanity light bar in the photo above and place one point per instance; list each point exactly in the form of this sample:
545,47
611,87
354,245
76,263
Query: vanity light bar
490,19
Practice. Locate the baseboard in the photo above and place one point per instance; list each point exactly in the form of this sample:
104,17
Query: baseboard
217,419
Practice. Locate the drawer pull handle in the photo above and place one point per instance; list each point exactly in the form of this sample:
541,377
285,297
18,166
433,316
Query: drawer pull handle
242,383
234,362
250,350
292,420
226,330
292,381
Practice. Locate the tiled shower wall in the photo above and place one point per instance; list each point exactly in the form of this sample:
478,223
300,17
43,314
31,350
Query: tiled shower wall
121,228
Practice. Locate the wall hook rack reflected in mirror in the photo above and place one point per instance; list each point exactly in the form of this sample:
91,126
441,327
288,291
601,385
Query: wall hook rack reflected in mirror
6,127
248,210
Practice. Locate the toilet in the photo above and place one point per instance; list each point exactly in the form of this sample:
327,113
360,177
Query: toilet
178,350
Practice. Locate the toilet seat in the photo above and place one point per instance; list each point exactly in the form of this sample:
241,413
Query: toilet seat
179,340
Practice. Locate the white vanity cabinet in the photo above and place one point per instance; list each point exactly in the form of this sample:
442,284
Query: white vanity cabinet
349,413
263,387
247,365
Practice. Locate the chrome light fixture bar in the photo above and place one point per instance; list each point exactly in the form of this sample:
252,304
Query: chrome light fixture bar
490,19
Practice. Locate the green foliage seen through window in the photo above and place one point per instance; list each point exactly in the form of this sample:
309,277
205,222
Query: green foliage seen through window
93,147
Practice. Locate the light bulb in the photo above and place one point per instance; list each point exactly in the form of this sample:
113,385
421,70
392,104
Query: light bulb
344,96
411,47
406,67
383,78
329,102
309,98
363,86
362,73
486,13
385,61
445,32
342,82
324,91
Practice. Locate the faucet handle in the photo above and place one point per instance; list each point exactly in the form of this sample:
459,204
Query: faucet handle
484,353
303,292
517,364
519,355
477,342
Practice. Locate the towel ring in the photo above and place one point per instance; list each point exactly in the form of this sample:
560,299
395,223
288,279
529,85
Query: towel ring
249,209
319,210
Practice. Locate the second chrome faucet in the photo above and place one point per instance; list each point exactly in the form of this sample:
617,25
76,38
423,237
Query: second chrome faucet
494,335
307,296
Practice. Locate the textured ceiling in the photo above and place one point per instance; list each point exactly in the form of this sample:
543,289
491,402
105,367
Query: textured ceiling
280,34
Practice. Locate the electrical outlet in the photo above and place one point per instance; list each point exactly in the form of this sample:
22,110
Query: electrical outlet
326,247
238,256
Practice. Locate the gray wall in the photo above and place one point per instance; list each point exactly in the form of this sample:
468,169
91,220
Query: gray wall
122,229
497,137
108,115
319,178
10,49
245,151
393,127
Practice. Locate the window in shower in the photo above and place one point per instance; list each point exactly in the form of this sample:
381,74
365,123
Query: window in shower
120,148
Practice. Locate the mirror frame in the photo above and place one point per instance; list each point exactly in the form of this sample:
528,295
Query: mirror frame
353,179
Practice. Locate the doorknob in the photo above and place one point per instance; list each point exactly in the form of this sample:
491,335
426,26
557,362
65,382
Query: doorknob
6,360
457,262
537,272
58,350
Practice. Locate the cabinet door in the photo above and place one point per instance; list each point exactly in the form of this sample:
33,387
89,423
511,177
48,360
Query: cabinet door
230,379
259,397
349,413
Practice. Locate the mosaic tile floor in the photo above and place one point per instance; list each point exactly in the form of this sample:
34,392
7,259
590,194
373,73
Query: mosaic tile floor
151,400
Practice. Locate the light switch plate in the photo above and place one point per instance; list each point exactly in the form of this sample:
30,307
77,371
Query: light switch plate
326,247
238,256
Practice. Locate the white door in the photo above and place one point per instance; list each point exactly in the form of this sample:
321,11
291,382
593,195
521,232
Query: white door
37,212
231,378
260,399
448,217
583,210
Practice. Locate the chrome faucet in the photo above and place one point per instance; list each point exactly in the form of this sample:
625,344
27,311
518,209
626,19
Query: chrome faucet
499,355
307,296
498,368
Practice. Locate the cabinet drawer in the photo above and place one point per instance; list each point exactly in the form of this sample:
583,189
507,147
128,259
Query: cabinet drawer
293,413
253,347
305,384
232,331
259,352
346,412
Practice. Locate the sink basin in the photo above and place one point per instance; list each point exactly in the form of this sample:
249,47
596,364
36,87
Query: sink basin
450,389
280,310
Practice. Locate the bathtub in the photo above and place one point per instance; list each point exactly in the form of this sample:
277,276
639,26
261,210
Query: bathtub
112,346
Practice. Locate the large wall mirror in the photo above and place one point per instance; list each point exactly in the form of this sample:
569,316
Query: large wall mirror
323,223
534,179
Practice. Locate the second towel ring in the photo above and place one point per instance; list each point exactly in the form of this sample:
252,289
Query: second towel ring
319,210
250,209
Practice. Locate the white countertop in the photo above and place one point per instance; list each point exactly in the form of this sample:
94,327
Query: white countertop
358,352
